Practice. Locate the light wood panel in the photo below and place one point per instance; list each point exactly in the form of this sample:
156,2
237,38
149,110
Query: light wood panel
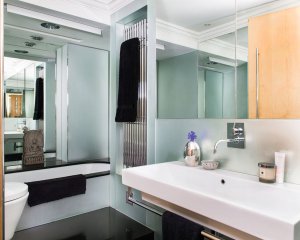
1,119
15,105
277,36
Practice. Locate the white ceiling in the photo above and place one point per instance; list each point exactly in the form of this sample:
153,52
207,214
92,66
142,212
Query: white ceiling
193,14
14,65
96,10
242,37
19,29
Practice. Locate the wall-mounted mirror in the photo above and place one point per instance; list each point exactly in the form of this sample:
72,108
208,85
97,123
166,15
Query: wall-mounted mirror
33,41
202,60
19,86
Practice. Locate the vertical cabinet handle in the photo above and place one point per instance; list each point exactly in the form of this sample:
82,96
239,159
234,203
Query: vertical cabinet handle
209,236
257,82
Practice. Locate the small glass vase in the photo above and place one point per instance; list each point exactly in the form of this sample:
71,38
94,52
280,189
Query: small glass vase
192,151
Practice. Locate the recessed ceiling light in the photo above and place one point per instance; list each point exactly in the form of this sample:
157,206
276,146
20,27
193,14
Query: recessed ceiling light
30,44
37,38
21,51
49,25
212,63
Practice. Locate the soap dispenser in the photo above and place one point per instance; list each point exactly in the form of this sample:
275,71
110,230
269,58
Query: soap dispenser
192,151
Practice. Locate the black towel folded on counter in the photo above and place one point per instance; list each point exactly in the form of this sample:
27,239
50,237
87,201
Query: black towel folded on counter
175,227
55,189
129,77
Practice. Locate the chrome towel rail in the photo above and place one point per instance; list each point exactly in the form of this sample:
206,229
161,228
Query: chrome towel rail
135,134
131,200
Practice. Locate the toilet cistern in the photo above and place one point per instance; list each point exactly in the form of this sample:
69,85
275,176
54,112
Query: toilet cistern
235,136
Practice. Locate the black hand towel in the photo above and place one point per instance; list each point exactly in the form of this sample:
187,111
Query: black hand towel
129,77
175,227
55,189
39,99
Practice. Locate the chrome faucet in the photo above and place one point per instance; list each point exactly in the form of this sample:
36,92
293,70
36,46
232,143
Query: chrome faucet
238,137
219,141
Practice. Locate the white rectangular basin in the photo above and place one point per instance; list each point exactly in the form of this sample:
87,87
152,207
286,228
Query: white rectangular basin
266,211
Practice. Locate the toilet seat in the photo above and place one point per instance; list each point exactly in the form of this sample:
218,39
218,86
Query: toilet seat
15,190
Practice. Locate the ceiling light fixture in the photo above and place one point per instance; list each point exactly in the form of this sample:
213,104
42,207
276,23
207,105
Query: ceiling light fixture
42,33
30,44
51,26
160,46
57,20
36,38
21,51
223,61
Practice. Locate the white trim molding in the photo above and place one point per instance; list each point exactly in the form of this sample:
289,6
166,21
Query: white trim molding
181,36
206,40
95,10
243,17
175,34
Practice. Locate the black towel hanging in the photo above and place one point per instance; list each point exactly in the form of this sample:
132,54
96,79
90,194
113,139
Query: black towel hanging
39,99
129,77
175,227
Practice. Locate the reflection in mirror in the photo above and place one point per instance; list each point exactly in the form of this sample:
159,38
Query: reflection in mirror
19,86
202,61
195,64
208,80
36,81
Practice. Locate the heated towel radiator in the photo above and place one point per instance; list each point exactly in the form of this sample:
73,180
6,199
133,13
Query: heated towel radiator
135,134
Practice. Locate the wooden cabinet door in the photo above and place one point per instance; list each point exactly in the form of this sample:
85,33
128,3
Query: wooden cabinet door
277,38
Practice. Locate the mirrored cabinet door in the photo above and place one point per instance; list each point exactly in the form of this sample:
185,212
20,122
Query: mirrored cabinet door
196,60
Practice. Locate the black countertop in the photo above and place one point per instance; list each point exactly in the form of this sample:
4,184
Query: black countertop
17,166
103,224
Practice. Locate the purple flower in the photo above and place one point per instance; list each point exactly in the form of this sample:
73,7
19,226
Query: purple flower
192,136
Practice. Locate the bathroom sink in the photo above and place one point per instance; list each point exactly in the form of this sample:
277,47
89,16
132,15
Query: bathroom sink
266,211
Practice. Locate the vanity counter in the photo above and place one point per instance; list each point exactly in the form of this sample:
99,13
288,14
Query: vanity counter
240,201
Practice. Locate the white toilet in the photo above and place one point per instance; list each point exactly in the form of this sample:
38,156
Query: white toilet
16,195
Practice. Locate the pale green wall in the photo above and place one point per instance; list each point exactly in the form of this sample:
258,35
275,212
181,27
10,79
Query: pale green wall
242,93
213,94
87,103
177,86
220,93
228,95
50,108
201,94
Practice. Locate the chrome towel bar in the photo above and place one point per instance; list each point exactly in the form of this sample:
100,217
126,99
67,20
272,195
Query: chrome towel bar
131,200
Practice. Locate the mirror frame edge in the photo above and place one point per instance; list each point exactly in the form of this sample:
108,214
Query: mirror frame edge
1,121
